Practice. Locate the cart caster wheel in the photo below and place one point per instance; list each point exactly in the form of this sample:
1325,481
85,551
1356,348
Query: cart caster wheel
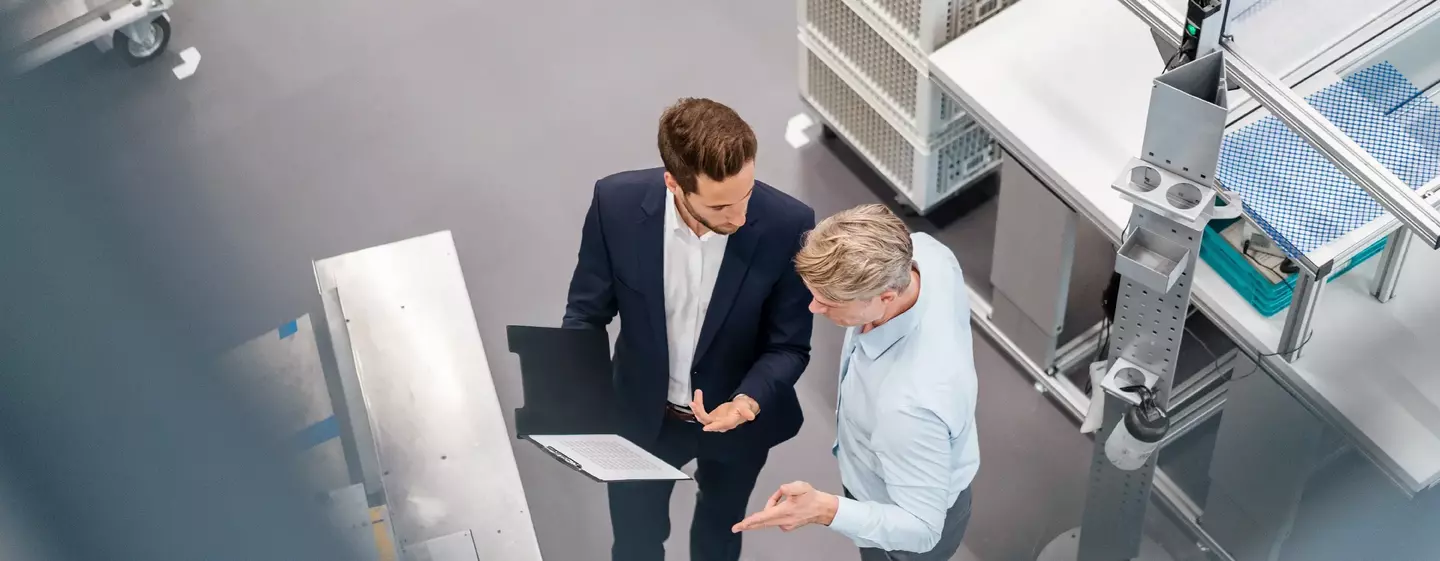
136,53
828,133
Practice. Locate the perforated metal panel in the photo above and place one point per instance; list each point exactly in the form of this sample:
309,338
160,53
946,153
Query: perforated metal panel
863,69
924,172
905,13
903,85
848,113
970,13
1115,499
1149,327
927,25
971,154
853,40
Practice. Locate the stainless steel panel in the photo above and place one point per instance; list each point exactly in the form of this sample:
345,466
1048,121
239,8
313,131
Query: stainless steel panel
350,514
447,465
1186,121
459,546
1038,343
349,400
1034,251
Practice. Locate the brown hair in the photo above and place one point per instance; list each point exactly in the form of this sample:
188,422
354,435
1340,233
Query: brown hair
857,254
701,136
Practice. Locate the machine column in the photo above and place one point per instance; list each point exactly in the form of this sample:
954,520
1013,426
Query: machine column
1171,187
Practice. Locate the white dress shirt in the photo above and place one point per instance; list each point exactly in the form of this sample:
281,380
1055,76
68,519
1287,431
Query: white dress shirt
906,436
691,265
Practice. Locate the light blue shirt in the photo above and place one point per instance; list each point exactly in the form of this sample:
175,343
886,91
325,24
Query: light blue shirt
906,413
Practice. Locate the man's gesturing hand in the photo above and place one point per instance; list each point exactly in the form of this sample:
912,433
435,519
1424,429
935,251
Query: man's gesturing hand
728,415
794,505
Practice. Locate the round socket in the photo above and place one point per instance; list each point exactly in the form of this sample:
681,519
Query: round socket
1183,196
1144,178
1128,376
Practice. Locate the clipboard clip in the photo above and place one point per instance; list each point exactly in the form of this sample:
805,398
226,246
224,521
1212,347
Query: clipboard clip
564,458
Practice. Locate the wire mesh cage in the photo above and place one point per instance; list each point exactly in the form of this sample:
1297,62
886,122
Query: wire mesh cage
864,71
865,51
925,173
926,25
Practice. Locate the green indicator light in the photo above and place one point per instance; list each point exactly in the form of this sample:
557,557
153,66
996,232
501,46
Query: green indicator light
1191,30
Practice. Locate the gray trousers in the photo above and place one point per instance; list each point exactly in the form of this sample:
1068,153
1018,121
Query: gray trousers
955,521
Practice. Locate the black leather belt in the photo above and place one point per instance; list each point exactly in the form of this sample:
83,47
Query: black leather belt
679,413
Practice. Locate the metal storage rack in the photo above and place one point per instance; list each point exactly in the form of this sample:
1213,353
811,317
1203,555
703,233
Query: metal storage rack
864,74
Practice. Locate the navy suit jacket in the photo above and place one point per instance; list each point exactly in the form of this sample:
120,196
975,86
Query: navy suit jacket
755,338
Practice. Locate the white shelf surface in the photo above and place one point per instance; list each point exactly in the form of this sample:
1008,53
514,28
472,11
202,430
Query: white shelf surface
1070,103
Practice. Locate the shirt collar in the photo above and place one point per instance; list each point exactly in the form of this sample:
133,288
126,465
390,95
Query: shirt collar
878,340
673,222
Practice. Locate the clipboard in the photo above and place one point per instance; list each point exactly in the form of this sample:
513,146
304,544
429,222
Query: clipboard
606,458
569,405
567,381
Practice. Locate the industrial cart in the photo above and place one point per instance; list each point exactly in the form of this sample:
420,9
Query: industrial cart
33,32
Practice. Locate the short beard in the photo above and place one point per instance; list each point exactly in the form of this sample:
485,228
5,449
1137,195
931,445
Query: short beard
685,200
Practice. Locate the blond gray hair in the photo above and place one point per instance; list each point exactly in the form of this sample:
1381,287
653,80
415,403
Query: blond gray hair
857,254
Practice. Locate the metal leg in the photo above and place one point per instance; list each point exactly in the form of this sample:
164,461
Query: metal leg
1302,311
1034,251
1396,247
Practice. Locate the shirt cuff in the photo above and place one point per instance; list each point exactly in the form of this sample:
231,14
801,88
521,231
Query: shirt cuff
850,516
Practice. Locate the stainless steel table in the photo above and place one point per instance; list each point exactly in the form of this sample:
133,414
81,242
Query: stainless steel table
444,453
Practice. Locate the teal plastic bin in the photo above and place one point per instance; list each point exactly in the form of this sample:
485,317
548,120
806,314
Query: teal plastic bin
1266,297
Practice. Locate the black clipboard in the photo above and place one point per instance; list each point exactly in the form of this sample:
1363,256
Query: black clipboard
568,388
567,381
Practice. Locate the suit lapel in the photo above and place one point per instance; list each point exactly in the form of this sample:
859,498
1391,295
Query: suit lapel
650,262
738,253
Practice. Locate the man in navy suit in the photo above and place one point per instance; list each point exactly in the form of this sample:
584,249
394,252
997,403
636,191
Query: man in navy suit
697,260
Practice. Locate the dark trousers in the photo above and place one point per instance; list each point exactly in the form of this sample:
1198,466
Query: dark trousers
640,511
956,519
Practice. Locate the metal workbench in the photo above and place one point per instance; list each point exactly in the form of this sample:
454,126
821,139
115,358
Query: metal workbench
416,376
1071,108
1073,112
384,391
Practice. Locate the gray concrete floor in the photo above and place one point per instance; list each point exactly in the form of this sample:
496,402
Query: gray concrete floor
316,128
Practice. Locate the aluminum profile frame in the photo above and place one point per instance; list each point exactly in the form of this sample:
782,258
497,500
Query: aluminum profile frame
1382,185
